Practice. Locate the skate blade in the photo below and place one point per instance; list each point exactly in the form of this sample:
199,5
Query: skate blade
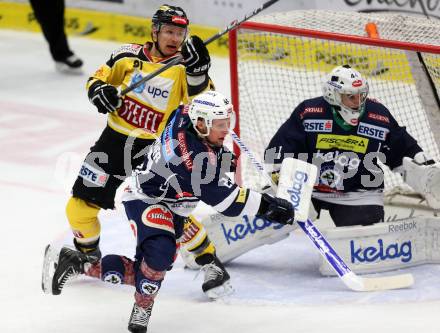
221,291
49,265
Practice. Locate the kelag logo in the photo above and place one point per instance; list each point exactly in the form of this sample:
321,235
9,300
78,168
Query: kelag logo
242,230
295,190
381,253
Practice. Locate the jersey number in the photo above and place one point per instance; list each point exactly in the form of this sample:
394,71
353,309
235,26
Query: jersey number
137,64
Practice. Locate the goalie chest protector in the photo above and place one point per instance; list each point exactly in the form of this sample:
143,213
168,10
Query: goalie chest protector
345,153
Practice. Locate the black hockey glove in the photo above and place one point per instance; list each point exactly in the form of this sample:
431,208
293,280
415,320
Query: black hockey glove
276,209
104,96
196,56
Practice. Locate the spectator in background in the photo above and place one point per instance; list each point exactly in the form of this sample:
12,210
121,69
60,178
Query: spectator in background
50,16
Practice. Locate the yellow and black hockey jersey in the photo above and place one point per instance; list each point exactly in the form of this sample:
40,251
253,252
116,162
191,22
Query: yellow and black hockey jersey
146,109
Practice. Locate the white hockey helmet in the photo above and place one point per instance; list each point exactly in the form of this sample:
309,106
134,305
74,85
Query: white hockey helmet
210,105
344,80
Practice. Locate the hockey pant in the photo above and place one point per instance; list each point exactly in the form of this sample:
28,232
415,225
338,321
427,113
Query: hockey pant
109,162
157,231
345,215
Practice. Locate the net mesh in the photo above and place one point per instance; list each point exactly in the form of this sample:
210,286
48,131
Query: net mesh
277,71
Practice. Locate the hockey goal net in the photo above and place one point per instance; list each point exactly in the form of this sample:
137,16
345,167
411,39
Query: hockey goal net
278,60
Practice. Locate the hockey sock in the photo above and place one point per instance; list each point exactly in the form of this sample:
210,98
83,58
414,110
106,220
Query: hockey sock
148,282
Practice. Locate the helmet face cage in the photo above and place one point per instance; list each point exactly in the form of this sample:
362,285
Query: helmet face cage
344,80
209,106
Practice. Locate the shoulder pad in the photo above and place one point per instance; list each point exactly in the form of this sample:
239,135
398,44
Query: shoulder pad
127,48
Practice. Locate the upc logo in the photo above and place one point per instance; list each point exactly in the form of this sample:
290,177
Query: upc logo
153,91
381,253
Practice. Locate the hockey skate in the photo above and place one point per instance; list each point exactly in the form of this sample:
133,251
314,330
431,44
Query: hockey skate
139,318
61,266
216,281
69,65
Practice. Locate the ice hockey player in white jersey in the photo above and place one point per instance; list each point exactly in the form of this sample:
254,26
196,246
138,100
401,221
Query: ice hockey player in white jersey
133,124
187,164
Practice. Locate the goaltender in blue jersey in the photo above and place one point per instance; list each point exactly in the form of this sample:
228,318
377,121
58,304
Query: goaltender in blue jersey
345,134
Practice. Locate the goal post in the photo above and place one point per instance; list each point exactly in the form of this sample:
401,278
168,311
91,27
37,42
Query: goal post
278,60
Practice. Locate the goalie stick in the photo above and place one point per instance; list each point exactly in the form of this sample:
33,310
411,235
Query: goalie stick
350,279
233,25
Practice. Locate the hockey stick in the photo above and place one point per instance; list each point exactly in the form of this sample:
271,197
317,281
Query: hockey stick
233,25
350,279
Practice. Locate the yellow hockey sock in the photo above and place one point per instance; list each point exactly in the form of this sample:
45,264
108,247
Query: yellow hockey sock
83,219
195,239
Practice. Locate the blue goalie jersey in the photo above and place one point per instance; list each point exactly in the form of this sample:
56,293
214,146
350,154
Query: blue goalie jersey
346,156
181,169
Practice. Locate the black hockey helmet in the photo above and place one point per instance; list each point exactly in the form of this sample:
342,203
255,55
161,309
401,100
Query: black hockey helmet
167,14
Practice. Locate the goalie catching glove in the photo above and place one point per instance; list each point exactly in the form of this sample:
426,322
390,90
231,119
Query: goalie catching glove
423,175
276,209
104,96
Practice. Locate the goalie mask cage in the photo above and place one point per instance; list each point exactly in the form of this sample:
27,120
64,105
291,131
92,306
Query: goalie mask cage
278,60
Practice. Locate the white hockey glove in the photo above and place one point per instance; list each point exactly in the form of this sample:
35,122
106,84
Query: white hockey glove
423,175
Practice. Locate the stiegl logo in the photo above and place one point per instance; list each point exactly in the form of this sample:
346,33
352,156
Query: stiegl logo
295,191
381,252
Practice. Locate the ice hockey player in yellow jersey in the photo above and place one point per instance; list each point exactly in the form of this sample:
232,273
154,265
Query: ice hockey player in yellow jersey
135,121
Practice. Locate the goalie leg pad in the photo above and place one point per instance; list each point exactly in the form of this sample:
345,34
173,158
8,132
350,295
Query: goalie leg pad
385,246
234,236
